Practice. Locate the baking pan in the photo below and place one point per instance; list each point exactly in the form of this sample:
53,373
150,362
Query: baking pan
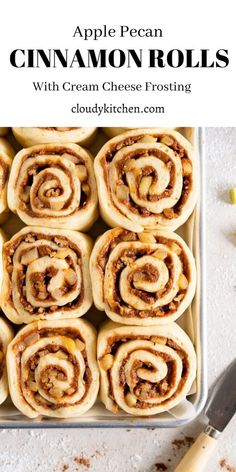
193,321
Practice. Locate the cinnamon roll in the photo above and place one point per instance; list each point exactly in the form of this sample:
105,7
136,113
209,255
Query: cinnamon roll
54,185
3,131
46,275
144,370
6,156
31,136
52,369
6,335
146,278
146,179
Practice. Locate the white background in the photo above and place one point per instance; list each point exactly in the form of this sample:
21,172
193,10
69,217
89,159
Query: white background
138,450
51,24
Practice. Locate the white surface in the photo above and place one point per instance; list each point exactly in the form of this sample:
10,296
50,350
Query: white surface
139,450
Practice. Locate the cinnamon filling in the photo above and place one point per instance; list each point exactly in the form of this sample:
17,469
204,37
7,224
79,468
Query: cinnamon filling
27,182
148,273
60,129
52,373
39,280
4,173
179,151
145,390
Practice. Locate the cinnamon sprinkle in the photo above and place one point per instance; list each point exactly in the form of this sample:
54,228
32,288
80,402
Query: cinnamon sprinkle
65,467
225,465
160,466
82,460
180,443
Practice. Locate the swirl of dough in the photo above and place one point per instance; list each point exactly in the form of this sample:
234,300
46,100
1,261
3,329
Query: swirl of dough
146,179
142,278
54,186
144,370
52,368
46,275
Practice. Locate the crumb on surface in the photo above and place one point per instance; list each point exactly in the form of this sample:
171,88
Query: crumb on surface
83,461
98,453
65,467
177,444
160,466
225,465
186,441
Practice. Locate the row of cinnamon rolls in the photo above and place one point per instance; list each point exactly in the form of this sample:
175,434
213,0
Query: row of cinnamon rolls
142,179
55,368
144,281
141,279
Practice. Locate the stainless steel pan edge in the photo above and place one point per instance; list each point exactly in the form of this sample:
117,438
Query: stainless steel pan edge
103,421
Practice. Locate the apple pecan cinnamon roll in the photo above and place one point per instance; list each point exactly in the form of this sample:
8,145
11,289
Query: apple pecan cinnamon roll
30,136
54,185
146,179
6,155
46,275
146,278
6,335
52,369
144,370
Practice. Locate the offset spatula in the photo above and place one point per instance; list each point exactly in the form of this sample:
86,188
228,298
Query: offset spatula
220,409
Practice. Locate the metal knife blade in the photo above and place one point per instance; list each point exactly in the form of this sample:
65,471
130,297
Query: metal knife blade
222,404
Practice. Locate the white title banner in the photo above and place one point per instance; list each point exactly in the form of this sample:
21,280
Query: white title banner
128,63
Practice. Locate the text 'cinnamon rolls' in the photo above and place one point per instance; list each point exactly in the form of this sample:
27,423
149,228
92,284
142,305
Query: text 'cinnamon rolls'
144,370
52,368
54,185
44,135
46,275
143,278
6,335
146,179
6,155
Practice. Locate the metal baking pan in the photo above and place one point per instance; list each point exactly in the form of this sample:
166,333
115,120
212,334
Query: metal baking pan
193,321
